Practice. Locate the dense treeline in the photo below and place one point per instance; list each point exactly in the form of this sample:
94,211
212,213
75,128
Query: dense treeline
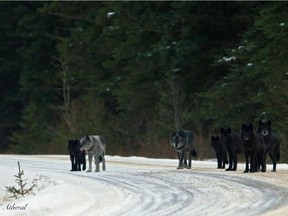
134,71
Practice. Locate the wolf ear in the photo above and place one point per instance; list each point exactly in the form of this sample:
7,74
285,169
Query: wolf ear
260,122
229,130
269,123
173,133
181,133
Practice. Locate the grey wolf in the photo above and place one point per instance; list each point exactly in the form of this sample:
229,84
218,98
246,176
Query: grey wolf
95,147
234,146
220,150
77,157
271,142
254,148
182,141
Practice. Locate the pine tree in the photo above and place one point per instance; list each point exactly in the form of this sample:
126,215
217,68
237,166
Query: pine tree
22,185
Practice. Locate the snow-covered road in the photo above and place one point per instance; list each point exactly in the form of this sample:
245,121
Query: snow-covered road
141,186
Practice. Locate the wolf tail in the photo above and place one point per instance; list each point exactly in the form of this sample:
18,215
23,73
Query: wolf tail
194,153
103,142
278,156
277,151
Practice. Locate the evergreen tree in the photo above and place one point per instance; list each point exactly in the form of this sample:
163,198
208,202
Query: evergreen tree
10,67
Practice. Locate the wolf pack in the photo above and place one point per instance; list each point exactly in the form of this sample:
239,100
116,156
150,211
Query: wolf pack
254,143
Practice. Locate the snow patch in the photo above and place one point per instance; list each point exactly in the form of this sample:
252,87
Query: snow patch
110,14
227,59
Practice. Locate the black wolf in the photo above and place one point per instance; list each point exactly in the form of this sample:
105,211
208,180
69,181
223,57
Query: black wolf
271,142
254,148
182,141
234,146
77,157
221,152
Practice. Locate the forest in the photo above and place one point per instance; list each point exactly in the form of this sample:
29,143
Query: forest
135,71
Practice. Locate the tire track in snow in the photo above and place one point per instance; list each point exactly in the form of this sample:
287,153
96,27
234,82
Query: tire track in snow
185,193
150,196
165,191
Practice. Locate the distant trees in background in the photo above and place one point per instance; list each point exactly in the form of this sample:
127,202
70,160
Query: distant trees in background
134,71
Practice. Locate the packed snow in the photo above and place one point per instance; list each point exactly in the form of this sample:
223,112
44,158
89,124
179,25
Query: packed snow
140,186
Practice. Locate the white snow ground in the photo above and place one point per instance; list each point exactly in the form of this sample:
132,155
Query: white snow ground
141,186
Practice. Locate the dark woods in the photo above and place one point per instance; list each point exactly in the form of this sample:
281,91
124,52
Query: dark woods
135,71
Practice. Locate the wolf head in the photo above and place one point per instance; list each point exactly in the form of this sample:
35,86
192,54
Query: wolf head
85,143
215,141
264,127
247,132
225,134
177,139
73,147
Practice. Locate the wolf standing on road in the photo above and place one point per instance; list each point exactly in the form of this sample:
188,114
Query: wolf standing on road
220,150
254,148
234,146
182,141
95,147
77,157
272,146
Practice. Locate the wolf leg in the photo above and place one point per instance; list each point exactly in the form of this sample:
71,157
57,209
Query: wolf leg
230,161
254,163
103,163
219,160
185,161
181,158
97,157
189,160
78,163
235,161
73,163
261,159
247,162
83,158
225,161
90,162
84,165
